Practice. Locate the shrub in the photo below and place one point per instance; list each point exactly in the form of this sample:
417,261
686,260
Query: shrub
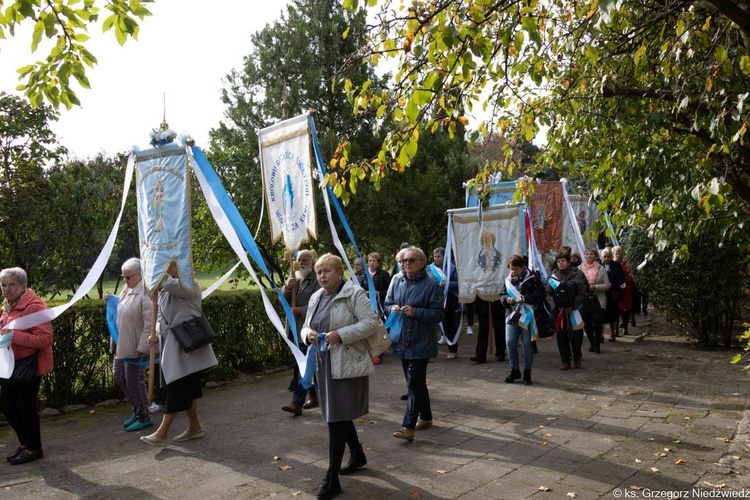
704,294
246,341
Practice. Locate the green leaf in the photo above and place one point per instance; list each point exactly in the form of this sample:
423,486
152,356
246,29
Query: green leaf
745,64
36,37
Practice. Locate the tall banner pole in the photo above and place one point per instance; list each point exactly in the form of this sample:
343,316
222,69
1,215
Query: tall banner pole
152,344
491,333
292,268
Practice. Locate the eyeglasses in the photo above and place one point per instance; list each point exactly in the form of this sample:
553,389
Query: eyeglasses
410,260
130,277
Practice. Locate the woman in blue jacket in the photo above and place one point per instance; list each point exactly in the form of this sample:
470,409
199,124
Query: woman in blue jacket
416,296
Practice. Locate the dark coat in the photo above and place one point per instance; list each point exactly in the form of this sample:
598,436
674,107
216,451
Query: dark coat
419,335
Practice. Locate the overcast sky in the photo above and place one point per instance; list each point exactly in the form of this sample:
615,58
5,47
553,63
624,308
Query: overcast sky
183,51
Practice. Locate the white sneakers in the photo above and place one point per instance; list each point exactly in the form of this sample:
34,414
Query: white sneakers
469,331
155,408
442,340
452,355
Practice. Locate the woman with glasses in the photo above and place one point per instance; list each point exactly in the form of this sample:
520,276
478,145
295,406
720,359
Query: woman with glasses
416,296
18,403
134,312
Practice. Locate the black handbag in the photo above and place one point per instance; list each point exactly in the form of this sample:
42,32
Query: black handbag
24,372
193,333
591,303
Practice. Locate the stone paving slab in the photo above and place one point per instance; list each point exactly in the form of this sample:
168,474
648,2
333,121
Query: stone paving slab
644,416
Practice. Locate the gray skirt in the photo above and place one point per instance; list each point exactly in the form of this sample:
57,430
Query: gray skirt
343,399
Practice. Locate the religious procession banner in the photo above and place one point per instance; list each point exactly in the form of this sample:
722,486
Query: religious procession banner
485,239
285,163
547,210
164,228
581,216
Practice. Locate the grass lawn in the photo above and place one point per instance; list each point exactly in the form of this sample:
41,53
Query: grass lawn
204,279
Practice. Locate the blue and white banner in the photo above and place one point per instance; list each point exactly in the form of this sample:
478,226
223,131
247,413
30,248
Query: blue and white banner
285,163
485,239
163,188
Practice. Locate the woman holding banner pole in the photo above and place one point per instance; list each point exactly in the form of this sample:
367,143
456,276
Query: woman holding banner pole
180,370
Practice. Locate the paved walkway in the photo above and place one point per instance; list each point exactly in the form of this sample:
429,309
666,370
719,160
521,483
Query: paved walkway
643,418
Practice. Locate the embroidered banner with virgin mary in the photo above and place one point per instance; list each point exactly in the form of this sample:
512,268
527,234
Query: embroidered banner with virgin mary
163,188
485,240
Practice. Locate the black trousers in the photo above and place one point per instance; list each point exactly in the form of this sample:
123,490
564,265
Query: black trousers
451,320
18,404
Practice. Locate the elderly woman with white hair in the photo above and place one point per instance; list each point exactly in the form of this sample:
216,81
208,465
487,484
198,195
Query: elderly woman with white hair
134,313
18,403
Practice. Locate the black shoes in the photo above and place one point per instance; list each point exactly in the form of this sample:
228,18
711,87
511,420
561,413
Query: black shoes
527,377
26,455
14,454
331,486
404,397
477,360
357,460
514,375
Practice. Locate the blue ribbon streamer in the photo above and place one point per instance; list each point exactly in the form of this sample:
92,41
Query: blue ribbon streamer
308,379
243,233
612,229
112,302
340,213
140,361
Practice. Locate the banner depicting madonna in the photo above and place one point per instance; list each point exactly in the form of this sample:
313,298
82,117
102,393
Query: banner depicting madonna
285,163
162,185
485,240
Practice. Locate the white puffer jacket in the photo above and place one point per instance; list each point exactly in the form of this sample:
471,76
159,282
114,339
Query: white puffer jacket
354,319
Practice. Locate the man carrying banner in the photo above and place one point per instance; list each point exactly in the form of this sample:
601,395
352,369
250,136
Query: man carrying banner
304,284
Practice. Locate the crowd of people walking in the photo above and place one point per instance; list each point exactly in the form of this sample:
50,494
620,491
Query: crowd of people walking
333,317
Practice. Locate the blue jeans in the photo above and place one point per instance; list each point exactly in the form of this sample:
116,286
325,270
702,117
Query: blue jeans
512,333
300,393
417,395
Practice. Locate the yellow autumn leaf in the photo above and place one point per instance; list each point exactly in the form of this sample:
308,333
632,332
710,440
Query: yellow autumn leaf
283,467
654,469
680,461
544,488
638,460
442,471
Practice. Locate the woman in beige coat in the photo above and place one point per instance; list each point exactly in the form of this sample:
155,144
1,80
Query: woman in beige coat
339,318
596,277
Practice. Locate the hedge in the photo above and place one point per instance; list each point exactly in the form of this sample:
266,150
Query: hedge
246,341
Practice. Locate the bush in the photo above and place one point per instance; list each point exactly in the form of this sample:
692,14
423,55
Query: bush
703,294
245,342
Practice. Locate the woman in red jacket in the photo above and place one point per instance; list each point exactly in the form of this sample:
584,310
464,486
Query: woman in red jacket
18,404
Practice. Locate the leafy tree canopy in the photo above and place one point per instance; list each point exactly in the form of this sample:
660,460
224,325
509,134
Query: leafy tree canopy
65,24
645,100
